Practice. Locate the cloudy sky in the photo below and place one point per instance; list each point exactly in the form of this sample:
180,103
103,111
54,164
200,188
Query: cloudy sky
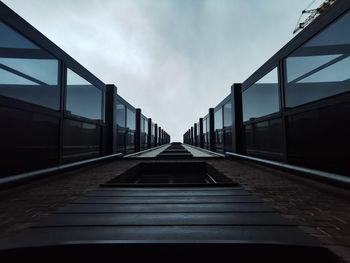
172,58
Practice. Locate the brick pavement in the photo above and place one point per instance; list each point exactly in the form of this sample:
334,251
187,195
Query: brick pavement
319,209
23,206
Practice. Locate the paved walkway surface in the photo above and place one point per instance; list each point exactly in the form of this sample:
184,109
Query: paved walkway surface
318,209
152,153
198,152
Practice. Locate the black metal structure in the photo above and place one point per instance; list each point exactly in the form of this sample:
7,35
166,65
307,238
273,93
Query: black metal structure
53,111
295,108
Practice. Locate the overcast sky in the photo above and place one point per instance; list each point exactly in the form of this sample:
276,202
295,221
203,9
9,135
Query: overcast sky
174,59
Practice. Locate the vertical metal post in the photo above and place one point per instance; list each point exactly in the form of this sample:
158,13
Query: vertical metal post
237,132
149,134
155,134
62,84
192,140
195,134
201,142
110,110
212,146
138,131
159,135
281,81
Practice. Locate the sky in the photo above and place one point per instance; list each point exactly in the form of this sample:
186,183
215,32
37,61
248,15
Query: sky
174,59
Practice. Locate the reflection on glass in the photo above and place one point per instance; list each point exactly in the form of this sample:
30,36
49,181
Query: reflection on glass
130,119
320,68
29,141
227,127
263,139
218,127
144,132
261,98
153,135
228,114
27,72
83,98
205,133
131,130
80,140
121,129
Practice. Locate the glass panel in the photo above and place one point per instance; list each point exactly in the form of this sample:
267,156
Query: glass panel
27,72
80,140
227,114
152,135
228,127
261,98
320,68
205,133
144,131
218,127
83,98
130,120
146,126
14,39
121,129
131,130
263,139
29,141
318,139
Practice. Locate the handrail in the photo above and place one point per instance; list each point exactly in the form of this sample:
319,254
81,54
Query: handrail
336,179
24,177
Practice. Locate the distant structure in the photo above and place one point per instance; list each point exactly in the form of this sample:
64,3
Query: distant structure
313,13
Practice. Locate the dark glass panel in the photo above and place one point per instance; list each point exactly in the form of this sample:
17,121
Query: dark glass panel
219,132
144,133
198,134
29,141
206,133
27,72
12,39
227,127
121,129
319,139
83,98
153,135
263,139
261,98
131,130
320,68
80,140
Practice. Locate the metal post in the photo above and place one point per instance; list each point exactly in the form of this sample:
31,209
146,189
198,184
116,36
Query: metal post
149,135
211,130
192,140
155,134
110,110
159,135
201,139
195,134
237,133
138,131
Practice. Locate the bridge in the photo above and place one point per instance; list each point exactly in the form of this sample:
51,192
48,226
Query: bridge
263,176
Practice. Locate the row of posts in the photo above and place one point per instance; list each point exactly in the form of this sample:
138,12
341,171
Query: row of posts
110,141
190,137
